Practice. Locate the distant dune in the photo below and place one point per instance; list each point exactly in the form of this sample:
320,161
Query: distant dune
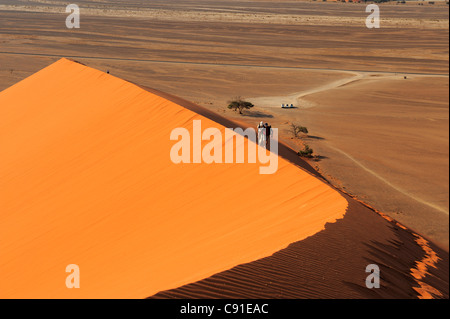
86,179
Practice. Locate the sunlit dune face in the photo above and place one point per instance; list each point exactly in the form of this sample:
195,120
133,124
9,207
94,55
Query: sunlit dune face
86,178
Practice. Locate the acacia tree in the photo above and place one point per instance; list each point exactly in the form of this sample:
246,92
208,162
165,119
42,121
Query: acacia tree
239,104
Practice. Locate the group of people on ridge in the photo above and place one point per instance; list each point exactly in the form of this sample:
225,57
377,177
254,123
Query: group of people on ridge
264,133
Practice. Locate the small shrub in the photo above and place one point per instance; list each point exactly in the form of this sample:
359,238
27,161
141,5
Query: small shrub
297,129
306,152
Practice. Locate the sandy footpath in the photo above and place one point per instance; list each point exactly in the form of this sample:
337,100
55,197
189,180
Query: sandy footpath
329,264
406,122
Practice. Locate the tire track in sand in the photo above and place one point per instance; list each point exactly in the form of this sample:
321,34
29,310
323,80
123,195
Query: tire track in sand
334,85
384,180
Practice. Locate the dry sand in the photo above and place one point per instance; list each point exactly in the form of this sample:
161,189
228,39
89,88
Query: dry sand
386,137
328,264
87,179
209,62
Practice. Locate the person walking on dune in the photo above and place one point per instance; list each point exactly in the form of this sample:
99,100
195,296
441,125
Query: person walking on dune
261,134
268,133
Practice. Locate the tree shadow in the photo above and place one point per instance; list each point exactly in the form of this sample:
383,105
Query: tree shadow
315,137
318,158
257,114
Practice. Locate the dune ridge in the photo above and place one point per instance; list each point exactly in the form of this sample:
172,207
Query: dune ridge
331,263
420,270
87,180
297,271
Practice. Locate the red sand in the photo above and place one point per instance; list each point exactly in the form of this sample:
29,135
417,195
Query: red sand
330,263
87,180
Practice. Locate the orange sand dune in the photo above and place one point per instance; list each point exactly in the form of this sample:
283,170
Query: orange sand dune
86,179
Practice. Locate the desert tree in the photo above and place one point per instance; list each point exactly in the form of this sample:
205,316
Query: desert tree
238,104
297,129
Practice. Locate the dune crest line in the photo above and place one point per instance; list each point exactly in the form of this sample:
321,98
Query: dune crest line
87,179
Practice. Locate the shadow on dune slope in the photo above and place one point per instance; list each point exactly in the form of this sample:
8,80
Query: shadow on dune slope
329,264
